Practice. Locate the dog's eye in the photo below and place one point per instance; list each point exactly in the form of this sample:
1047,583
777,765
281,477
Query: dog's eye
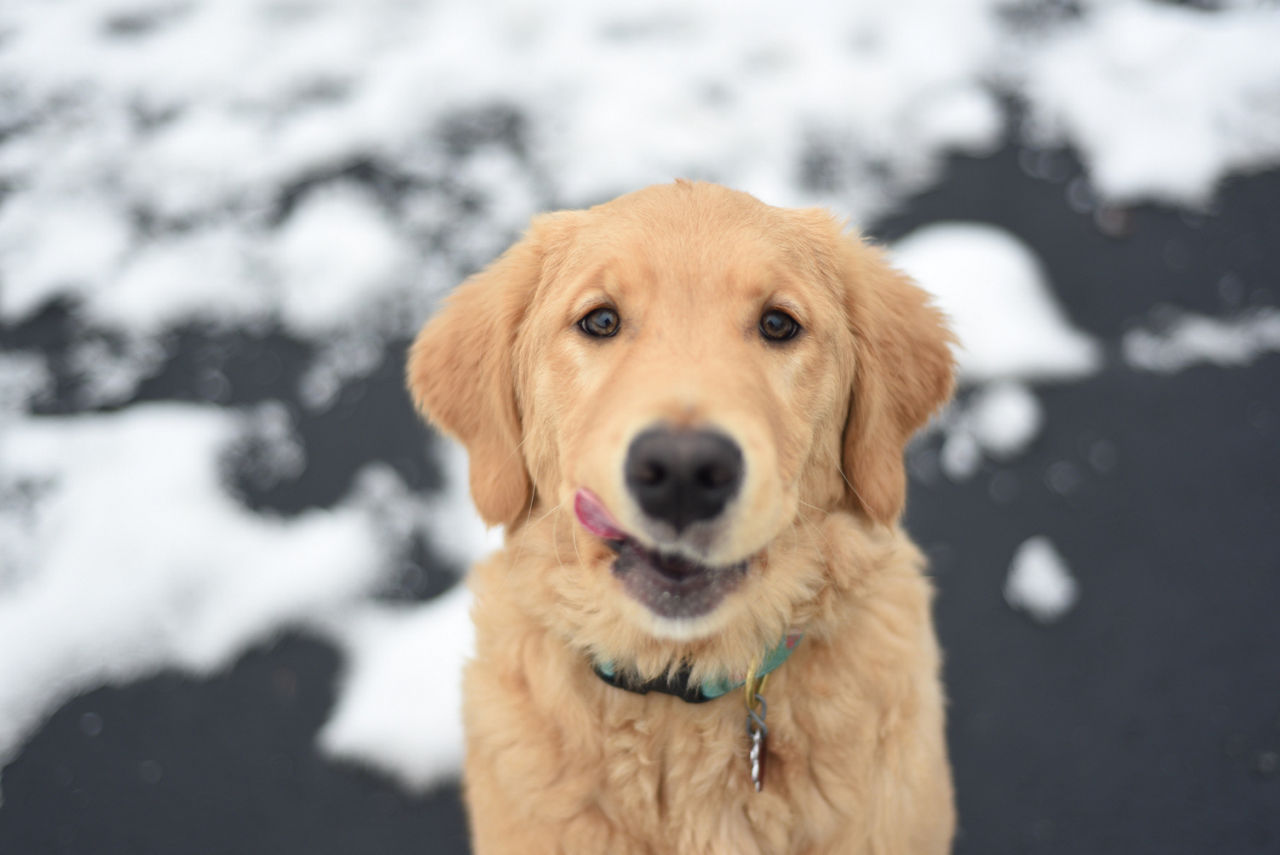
777,325
600,323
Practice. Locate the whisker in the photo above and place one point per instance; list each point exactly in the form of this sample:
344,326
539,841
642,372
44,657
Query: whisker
817,530
550,512
852,489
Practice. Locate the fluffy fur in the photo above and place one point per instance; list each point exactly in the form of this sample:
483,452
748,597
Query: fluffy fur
560,762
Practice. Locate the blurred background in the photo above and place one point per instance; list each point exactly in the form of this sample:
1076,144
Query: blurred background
229,554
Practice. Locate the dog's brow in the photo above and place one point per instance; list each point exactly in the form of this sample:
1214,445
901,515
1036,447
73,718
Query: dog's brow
786,303
594,298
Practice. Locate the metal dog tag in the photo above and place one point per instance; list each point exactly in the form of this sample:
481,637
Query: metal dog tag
758,732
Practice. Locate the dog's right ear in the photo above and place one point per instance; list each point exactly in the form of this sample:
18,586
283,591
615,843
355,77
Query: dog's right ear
460,376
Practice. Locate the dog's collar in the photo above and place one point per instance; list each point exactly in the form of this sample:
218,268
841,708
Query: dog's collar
677,684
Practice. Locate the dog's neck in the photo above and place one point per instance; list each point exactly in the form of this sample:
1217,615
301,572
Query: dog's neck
677,683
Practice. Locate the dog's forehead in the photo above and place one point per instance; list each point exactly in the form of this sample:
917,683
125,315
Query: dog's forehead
688,220
692,237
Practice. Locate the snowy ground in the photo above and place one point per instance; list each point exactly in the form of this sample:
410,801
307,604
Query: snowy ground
220,221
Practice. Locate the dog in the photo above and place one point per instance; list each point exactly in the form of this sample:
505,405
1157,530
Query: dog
707,631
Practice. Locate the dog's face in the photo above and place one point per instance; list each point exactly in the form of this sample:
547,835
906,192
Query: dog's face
688,378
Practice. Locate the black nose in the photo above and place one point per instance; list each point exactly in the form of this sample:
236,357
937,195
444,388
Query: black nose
683,476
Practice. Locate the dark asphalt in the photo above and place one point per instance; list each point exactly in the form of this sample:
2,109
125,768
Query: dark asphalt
1147,720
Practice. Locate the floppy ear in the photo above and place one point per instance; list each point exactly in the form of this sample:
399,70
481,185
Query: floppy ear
904,372
460,375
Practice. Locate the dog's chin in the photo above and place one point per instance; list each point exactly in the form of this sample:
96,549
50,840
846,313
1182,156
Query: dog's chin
682,597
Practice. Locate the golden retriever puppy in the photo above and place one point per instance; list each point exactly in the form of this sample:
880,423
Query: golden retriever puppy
688,409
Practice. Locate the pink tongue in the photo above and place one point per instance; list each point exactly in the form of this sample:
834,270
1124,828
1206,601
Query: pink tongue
594,517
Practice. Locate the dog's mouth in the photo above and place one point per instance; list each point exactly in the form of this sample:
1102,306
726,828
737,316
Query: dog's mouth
669,585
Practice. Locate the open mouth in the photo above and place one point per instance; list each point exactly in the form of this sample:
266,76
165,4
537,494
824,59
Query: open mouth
671,586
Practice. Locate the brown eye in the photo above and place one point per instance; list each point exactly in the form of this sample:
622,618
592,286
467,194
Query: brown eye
600,323
777,325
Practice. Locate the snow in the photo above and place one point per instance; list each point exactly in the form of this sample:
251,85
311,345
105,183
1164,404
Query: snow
1012,332
1005,417
960,456
1190,339
456,529
331,168
129,556
336,250
24,380
208,275
400,707
1162,101
35,242
1039,582
122,553
998,420
152,198
254,99
998,300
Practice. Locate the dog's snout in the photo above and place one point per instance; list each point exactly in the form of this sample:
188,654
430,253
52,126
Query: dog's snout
683,476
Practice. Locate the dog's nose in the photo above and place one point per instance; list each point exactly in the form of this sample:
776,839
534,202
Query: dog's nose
683,476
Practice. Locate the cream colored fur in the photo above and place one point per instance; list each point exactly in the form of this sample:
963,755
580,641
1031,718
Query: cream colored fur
560,762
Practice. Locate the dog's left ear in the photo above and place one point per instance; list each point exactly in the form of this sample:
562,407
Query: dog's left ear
904,372
460,371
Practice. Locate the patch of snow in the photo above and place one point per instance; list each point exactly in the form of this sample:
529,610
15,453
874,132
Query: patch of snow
212,275
135,558
1162,101
998,420
997,297
255,99
1004,418
24,379
1039,582
400,703
336,253
399,708
960,456
455,527
122,553
1192,339
62,243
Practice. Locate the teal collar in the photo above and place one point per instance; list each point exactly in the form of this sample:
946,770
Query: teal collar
678,683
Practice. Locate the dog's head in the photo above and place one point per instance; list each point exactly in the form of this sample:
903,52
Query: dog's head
685,381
